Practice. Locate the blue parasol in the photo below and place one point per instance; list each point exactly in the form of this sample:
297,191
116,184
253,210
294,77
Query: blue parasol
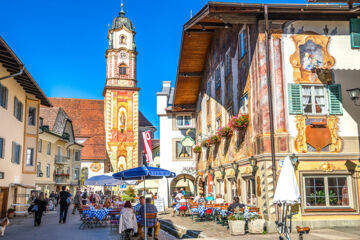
143,173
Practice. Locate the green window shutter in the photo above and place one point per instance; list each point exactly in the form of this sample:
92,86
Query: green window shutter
295,103
335,101
13,152
355,32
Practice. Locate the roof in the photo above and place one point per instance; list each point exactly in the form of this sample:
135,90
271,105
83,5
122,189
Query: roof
13,65
121,20
198,32
87,117
155,143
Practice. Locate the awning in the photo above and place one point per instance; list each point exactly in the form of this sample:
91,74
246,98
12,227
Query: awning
22,185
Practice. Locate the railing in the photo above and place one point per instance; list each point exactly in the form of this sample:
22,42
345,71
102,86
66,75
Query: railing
61,179
61,159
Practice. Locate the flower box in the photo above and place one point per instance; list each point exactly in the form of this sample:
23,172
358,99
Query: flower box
256,226
237,227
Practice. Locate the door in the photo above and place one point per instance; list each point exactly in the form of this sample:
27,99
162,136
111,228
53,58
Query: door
3,201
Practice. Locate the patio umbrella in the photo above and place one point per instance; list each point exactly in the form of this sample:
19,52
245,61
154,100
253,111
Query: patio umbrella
105,180
287,191
144,173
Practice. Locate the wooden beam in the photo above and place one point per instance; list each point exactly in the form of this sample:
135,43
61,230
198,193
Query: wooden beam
191,74
214,24
200,30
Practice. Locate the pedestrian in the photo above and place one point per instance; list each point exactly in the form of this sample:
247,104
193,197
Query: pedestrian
65,200
77,202
57,199
40,203
84,197
127,221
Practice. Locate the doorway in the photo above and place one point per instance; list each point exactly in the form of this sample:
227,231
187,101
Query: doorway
4,192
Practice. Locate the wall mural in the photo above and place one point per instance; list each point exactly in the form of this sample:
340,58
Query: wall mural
311,61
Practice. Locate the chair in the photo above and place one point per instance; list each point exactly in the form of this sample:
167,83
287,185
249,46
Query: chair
114,220
196,214
301,231
209,212
147,217
183,208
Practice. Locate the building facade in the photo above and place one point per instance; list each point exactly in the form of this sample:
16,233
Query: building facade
58,154
311,63
20,99
177,135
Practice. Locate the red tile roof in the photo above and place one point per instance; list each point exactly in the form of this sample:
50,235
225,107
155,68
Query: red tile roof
87,116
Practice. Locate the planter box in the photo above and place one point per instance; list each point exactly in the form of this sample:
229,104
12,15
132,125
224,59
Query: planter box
256,226
237,227
11,214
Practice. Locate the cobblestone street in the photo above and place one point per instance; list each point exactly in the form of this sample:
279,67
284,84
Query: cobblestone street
22,228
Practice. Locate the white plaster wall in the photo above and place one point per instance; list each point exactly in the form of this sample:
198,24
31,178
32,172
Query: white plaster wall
116,39
161,104
91,173
347,60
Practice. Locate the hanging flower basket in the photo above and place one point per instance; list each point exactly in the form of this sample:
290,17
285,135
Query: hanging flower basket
225,132
197,149
215,139
241,122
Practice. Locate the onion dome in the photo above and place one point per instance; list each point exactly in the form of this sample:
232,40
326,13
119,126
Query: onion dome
121,20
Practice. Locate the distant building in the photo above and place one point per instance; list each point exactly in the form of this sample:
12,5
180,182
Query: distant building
20,99
111,129
313,64
175,126
59,154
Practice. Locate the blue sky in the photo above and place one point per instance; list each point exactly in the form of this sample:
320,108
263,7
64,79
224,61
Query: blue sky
63,43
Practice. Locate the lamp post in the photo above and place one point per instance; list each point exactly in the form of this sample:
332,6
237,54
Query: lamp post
294,160
354,95
253,164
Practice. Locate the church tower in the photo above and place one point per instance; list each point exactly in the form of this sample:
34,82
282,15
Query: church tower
121,95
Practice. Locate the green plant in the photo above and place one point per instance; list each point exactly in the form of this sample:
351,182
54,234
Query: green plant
225,132
204,143
130,192
197,149
333,198
237,215
318,197
215,139
241,121
126,197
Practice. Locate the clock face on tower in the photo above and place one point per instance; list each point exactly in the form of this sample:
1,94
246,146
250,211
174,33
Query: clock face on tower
123,55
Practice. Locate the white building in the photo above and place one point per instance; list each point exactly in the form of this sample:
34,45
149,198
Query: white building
176,125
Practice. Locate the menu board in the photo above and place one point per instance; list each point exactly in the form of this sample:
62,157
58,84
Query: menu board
159,204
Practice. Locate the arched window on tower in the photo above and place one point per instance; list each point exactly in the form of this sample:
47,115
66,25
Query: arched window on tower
122,69
122,39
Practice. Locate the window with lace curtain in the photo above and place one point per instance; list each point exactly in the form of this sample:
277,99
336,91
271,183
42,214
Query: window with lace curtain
314,99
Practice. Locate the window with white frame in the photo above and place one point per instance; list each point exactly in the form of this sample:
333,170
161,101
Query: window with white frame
327,191
182,151
29,157
218,123
183,121
250,191
244,104
217,78
314,99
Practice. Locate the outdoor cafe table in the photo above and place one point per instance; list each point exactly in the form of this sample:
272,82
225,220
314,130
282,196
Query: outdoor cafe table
98,213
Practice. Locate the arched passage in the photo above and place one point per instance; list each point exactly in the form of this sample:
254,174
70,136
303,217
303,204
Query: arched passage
185,181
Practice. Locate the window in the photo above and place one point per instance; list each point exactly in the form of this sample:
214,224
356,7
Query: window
183,152
183,121
3,96
209,130
38,169
2,147
208,89
32,116
217,78
243,45
77,155
40,145
250,191
59,152
122,69
327,191
29,157
41,122
122,39
157,154
355,32
218,123
76,174
68,153
227,64
244,105
48,149
229,113
16,153
315,99
18,109
48,170
68,171
228,92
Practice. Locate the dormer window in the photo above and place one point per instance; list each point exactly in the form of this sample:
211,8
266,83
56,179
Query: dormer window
122,69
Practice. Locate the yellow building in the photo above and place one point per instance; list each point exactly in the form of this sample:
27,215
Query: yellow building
20,99
58,154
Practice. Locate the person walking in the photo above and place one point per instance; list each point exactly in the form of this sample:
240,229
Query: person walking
84,197
65,200
77,202
57,199
40,203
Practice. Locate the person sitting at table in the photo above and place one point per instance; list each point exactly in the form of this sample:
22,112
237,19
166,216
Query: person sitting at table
137,210
235,204
176,201
127,221
152,222
107,203
219,199
199,198
210,198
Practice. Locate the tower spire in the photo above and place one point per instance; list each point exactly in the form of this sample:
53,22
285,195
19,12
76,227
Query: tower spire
122,13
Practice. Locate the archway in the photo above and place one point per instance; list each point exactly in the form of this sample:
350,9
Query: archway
185,181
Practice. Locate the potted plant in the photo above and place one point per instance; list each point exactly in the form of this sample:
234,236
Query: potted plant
197,149
225,132
239,123
11,212
237,223
255,223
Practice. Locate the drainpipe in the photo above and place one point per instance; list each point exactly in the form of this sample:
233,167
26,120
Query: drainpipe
22,67
268,76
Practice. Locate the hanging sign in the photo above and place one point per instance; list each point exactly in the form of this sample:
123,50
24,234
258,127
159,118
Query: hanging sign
147,145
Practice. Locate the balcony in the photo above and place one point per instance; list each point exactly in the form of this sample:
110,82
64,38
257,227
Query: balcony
61,180
61,159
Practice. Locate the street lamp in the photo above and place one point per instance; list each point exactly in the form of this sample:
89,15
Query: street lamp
354,95
294,159
253,164
222,171
235,166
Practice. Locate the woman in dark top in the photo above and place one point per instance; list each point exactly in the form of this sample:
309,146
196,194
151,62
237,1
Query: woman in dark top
41,204
235,204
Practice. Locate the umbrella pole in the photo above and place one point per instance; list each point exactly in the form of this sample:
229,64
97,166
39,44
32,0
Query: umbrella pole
145,229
